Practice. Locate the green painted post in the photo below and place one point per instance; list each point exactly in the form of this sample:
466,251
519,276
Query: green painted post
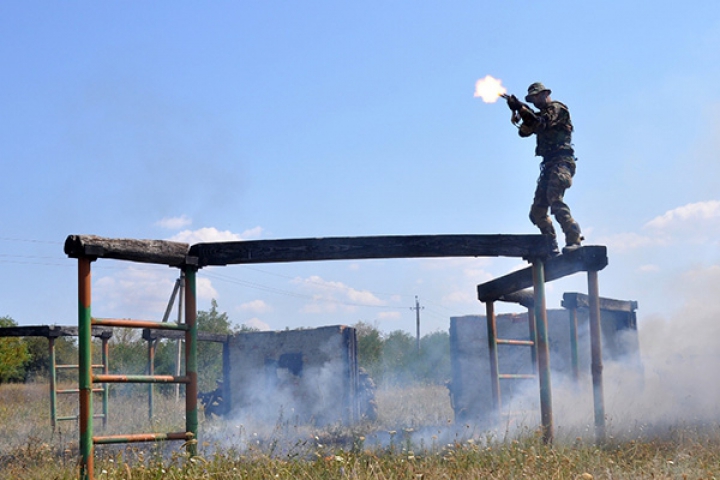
53,383
492,349
191,389
151,371
574,357
106,370
85,369
543,350
596,365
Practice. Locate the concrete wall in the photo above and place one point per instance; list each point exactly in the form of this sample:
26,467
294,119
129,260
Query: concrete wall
471,388
305,376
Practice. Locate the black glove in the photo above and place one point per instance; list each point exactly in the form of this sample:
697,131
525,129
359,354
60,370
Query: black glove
514,103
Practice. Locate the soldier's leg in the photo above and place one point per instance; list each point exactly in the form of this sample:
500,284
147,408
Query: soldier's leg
559,180
539,210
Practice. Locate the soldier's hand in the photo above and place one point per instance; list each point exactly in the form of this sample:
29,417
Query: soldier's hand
514,103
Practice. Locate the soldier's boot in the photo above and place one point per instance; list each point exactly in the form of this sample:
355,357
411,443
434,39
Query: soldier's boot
539,218
573,237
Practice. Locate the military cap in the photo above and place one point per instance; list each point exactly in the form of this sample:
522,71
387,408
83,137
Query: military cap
534,89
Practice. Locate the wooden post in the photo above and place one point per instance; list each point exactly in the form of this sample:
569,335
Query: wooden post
543,350
492,349
596,352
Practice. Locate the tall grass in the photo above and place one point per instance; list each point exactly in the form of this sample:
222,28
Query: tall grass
30,450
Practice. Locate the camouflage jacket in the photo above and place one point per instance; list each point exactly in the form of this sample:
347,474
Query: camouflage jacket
553,128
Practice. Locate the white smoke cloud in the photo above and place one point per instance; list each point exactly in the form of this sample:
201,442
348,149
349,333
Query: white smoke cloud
212,234
174,223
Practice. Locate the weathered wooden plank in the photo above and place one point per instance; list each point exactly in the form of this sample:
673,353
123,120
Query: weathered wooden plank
580,300
584,259
47,331
526,298
161,252
152,334
354,248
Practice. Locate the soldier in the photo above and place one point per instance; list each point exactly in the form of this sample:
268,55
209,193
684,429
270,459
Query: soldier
553,129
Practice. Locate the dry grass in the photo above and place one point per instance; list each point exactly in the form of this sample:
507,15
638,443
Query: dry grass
30,450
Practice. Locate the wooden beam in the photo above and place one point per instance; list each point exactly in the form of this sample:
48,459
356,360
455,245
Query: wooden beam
152,334
525,298
161,252
354,248
50,331
584,259
580,300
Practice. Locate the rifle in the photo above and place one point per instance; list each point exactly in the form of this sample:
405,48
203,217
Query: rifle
522,114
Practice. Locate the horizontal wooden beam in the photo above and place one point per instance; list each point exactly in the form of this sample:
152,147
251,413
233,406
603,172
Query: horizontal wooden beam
50,331
152,334
161,252
580,300
526,298
584,259
354,248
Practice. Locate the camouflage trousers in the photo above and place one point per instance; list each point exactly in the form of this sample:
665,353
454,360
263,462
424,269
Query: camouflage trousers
555,177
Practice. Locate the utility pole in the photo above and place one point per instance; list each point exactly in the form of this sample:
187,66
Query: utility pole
417,309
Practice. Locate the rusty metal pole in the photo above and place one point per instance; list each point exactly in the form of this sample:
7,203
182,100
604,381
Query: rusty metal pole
596,355
533,338
53,383
85,369
543,349
151,371
106,370
574,358
191,389
492,349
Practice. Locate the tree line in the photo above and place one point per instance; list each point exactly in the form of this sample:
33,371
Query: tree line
387,357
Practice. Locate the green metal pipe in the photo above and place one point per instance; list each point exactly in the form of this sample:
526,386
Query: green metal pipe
574,357
53,383
105,387
533,338
519,343
85,369
596,355
492,349
543,349
191,389
151,372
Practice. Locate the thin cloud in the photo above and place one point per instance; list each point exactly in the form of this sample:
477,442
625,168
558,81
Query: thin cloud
212,234
174,223
690,212
257,324
329,296
255,306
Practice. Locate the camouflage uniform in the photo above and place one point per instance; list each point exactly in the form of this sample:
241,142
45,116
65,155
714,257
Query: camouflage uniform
553,129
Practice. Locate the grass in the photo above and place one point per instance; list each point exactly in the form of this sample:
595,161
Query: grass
413,439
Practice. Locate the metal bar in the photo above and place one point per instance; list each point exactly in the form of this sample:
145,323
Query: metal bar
191,389
68,367
533,338
53,383
524,343
513,376
125,323
492,349
87,460
77,390
178,343
151,372
139,379
168,310
543,350
63,419
141,437
106,370
596,356
574,357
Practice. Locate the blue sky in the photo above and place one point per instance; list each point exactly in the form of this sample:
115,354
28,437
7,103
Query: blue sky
260,120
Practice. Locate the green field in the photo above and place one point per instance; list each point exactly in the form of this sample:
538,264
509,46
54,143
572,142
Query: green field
390,448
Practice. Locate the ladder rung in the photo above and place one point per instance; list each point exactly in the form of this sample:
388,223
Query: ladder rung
62,367
515,376
139,379
62,419
118,322
526,343
141,437
77,390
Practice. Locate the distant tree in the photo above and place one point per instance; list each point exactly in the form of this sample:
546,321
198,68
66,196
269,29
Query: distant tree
399,357
433,364
210,353
369,348
13,354
38,366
